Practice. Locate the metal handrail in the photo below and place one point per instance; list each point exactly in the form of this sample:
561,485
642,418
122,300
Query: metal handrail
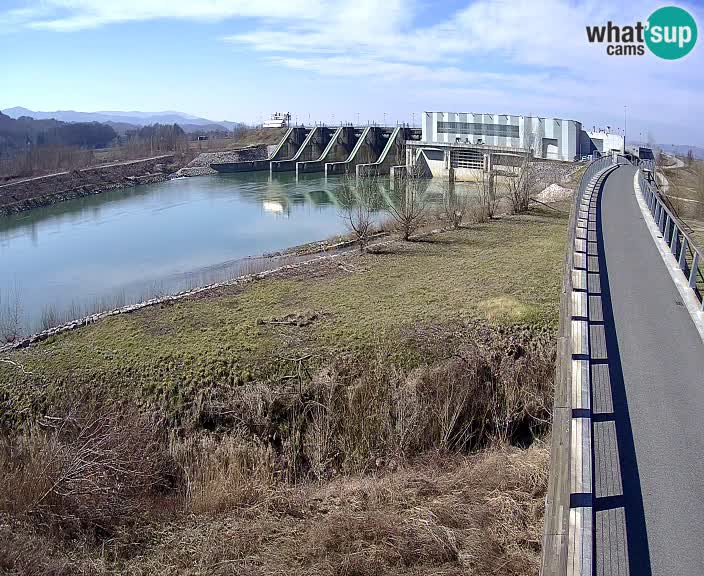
594,168
690,258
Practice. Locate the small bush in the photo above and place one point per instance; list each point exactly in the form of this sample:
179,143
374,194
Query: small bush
88,471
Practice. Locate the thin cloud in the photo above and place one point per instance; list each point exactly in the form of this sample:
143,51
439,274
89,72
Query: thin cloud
533,55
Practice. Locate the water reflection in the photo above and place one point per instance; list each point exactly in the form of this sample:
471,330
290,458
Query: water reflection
122,246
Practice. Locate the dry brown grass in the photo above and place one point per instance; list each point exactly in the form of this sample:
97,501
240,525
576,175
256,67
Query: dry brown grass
365,466
85,472
441,514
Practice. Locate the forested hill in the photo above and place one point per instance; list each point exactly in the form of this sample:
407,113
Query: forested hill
25,133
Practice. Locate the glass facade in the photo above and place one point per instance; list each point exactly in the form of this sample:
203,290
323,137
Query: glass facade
478,129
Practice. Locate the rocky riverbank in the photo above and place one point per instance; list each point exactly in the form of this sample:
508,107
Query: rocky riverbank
200,165
46,190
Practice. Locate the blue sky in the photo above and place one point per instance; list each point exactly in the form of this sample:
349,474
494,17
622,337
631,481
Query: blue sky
329,61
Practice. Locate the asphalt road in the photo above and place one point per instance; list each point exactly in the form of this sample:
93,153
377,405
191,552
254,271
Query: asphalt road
662,391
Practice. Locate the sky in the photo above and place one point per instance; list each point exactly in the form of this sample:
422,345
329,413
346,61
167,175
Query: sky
361,60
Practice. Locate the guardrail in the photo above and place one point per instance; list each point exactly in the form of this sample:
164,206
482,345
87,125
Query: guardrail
592,170
690,258
568,534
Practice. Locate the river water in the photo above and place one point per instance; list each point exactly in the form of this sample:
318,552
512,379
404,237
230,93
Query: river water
81,256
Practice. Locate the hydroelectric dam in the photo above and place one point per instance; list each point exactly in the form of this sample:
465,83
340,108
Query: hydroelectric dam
362,150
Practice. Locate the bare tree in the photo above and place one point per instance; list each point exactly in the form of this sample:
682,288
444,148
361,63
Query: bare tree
11,317
520,182
690,157
522,175
486,196
359,200
408,201
454,206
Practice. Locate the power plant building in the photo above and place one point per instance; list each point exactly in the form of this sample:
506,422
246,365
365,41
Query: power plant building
548,138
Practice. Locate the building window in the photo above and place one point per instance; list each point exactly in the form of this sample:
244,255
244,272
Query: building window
478,129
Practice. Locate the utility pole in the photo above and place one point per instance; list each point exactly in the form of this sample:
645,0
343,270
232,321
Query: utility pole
384,118
624,129
413,125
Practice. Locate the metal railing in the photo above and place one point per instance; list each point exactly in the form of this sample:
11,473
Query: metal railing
690,258
592,170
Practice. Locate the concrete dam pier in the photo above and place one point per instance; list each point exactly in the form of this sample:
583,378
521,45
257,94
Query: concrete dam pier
362,150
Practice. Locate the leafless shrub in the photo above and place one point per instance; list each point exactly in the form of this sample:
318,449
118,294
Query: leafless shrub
454,206
407,202
427,502
520,183
46,160
49,317
89,470
10,316
359,200
690,157
440,514
487,199
488,390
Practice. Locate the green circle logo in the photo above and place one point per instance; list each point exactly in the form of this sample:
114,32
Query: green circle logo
670,32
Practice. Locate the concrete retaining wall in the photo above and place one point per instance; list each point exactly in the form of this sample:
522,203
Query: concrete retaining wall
285,150
341,144
370,145
312,148
390,156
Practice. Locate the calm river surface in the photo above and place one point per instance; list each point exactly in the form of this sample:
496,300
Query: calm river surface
77,257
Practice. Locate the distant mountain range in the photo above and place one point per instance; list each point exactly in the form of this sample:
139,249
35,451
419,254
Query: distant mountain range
122,121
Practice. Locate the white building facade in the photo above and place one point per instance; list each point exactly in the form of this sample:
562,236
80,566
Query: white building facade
602,143
549,138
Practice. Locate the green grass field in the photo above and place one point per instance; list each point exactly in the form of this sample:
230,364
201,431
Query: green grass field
507,271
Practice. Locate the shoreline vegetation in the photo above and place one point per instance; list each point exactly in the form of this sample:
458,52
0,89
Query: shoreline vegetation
382,411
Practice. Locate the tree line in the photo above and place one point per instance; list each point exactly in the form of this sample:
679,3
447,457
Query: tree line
30,147
25,133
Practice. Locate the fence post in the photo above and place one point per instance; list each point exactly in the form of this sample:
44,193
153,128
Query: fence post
675,240
694,270
668,223
683,254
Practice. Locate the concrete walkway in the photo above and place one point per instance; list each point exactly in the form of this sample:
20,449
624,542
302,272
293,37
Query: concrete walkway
648,402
